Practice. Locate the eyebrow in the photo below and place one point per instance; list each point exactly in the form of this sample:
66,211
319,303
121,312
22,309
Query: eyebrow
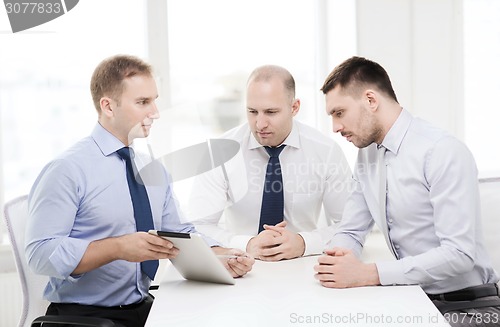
332,111
146,98
265,109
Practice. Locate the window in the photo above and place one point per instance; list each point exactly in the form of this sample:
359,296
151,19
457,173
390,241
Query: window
482,114
45,102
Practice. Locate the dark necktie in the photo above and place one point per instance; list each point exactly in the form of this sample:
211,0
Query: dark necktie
271,212
140,202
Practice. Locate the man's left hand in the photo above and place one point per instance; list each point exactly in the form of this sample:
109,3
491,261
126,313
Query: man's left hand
237,262
340,268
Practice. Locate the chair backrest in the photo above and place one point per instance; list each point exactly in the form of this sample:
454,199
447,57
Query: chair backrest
489,189
16,215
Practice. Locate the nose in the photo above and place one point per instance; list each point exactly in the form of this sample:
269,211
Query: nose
337,126
261,122
154,114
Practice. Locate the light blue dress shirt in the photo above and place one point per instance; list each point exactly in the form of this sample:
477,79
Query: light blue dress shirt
433,223
83,196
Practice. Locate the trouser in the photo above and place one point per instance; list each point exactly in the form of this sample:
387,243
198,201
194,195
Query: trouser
133,315
473,306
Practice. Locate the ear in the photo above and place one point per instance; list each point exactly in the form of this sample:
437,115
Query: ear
107,106
371,97
295,106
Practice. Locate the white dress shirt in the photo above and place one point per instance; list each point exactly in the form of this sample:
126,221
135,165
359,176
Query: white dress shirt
314,171
433,223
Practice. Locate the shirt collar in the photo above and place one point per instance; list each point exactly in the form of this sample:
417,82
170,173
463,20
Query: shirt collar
393,139
106,141
292,139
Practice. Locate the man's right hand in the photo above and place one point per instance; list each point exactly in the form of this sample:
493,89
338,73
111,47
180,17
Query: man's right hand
135,247
142,246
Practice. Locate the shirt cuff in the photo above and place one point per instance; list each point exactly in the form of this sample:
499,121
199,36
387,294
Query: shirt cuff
240,242
391,273
313,243
67,256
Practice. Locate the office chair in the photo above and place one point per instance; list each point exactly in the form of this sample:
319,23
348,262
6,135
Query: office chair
34,306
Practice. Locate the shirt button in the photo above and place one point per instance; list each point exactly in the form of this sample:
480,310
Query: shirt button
396,246
390,220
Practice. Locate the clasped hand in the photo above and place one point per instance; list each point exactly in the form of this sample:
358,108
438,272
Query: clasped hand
340,268
276,243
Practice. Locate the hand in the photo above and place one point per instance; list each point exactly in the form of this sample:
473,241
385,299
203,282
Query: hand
238,266
142,246
276,243
340,268
136,247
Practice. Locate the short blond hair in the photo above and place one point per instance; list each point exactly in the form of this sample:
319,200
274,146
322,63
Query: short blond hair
108,76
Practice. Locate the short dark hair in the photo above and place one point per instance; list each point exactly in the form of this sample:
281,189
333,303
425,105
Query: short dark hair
355,74
109,74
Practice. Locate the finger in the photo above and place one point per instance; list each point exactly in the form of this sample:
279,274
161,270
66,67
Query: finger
237,269
238,252
159,241
329,252
334,252
163,248
271,251
322,269
271,242
162,253
275,256
337,251
272,258
318,268
325,277
341,252
276,229
281,224
329,284
240,265
326,260
246,260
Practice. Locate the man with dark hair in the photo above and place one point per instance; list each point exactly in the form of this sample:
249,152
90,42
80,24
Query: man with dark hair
419,185
90,213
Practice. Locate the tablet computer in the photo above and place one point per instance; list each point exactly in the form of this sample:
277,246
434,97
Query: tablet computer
196,260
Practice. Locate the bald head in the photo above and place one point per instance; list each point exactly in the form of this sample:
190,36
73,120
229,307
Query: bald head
269,72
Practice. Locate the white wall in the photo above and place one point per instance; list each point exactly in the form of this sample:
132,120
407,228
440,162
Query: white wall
420,43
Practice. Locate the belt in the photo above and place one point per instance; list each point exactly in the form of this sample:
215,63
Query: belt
128,306
467,294
149,299
118,307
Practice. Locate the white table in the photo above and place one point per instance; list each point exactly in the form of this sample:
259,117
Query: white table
285,293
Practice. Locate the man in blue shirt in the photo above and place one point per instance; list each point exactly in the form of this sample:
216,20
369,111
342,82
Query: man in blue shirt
419,185
81,229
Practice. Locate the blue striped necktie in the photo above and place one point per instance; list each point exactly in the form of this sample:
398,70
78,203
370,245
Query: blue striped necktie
271,212
142,209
